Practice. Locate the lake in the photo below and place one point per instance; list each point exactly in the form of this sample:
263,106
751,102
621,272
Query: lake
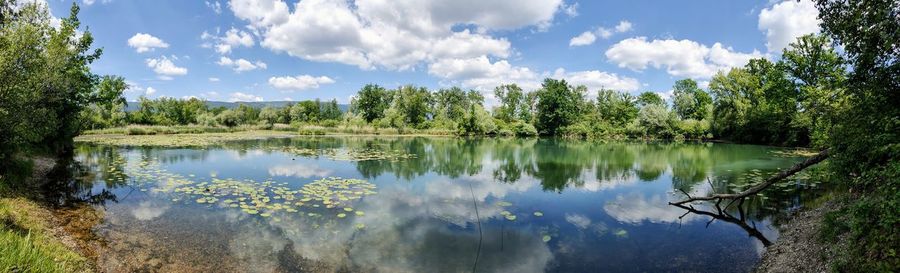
431,204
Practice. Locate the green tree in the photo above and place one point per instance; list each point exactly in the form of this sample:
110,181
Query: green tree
45,79
107,106
756,104
615,107
689,101
658,121
230,118
864,141
269,115
371,101
819,75
558,106
511,100
305,111
649,98
412,103
331,111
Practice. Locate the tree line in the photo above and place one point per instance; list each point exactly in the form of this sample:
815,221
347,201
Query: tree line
792,101
812,95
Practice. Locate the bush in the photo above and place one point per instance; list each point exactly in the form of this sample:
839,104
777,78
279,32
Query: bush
872,222
329,123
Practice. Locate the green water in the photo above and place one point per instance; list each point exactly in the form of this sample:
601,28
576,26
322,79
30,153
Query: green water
366,204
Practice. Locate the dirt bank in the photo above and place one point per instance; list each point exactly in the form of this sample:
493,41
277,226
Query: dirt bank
69,227
799,249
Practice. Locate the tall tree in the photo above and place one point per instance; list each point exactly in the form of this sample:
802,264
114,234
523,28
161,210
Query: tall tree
819,75
557,106
689,101
371,101
412,103
864,141
45,79
617,108
510,97
650,98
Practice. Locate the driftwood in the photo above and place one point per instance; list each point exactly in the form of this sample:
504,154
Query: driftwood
722,215
761,186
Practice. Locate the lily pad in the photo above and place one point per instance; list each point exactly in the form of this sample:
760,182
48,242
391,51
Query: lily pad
546,238
511,217
538,213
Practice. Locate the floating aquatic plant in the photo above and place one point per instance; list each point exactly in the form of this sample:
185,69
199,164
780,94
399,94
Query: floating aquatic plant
351,154
538,213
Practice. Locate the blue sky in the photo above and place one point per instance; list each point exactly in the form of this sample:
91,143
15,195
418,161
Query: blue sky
293,50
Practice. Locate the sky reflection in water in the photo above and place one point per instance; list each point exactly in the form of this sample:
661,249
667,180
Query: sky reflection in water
604,207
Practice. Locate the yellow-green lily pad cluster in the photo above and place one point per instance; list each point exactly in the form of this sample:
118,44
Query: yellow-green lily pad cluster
261,198
351,154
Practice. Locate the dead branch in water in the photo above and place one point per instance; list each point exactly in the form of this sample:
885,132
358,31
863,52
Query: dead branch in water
761,186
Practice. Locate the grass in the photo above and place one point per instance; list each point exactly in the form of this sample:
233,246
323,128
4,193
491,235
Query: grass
161,130
27,243
301,129
178,140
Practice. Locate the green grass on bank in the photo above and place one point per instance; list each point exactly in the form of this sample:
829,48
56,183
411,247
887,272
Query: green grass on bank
26,243
301,129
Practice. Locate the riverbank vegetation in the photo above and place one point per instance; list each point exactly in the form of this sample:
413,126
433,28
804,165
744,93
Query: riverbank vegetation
813,95
45,86
26,243
792,101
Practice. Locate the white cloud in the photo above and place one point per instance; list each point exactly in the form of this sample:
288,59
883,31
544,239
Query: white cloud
138,90
164,67
300,82
636,208
589,37
483,74
480,73
786,21
215,6
91,2
238,96
231,39
214,79
241,65
583,39
299,170
390,34
680,58
623,26
580,221
143,42
595,80
570,10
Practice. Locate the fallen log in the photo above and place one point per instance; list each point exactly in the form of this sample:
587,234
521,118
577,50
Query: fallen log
761,186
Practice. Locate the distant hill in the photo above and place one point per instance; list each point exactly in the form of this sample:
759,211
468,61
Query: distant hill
133,105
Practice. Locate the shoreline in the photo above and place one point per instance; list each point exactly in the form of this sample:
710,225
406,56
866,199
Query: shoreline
798,248
55,238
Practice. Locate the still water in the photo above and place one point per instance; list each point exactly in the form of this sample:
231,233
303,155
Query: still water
366,204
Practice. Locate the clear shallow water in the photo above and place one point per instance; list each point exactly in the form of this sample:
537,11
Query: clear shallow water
542,206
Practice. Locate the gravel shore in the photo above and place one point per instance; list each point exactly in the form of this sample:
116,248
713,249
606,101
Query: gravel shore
798,249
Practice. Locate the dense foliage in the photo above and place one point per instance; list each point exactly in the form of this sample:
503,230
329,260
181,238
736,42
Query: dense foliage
866,138
46,84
